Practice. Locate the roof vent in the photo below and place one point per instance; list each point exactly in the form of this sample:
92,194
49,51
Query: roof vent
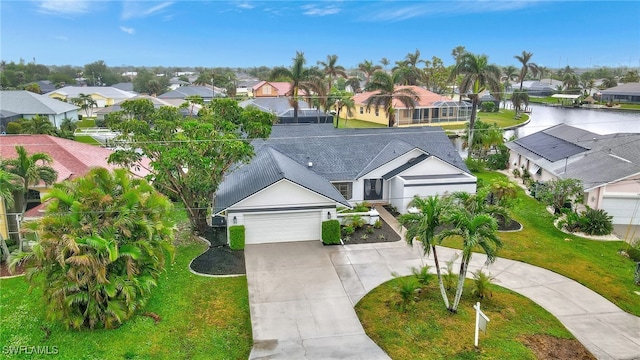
309,164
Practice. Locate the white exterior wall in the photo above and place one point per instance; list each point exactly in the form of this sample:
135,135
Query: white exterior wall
396,196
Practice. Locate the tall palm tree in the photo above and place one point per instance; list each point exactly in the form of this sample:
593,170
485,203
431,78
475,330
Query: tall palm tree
331,70
423,227
300,78
38,124
368,69
344,102
32,168
476,230
385,62
509,73
9,183
570,81
519,99
527,66
477,75
354,82
386,92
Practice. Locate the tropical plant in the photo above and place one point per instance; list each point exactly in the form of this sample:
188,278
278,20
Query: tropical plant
475,230
300,78
558,192
39,124
477,75
386,92
527,66
520,99
104,242
608,83
68,125
422,274
356,221
32,169
481,285
331,70
423,226
596,222
368,69
449,275
407,287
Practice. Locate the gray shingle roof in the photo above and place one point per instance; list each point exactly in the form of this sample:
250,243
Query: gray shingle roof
624,89
27,103
184,91
276,105
266,168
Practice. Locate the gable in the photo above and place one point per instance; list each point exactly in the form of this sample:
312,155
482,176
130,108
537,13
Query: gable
283,193
431,166
391,165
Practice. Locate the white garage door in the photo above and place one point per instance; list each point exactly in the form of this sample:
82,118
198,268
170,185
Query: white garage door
622,209
282,227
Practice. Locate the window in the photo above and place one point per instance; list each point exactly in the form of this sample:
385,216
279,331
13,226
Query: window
377,112
450,112
361,110
345,189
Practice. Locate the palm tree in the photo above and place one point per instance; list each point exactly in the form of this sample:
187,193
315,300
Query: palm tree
32,169
348,104
385,62
331,70
354,82
476,230
38,124
509,73
477,75
423,226
526,66
300,78
386,92
519,98
608,82
9,183
104,241
570,81
368,69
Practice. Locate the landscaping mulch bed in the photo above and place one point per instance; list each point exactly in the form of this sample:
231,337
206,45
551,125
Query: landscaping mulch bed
4,270
361,236
219,259
512,225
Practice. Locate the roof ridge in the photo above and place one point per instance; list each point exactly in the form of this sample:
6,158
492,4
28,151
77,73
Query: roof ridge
381,152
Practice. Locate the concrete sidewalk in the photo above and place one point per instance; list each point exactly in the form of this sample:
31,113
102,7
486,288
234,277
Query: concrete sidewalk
603,328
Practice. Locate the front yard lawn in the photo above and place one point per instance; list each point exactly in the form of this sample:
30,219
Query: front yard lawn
199,318
595,264
428,331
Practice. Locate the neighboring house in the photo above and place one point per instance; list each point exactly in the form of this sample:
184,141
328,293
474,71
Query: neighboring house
281,107
157,103
629,92
125,86
46,86
205,92
71,159
431,108
244,88
16,104
271,89
545,87
607,165
303,172
103,95
175,83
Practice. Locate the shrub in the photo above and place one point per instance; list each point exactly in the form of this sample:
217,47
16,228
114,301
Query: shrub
596,222
362,207
356,221
236,237
481,285
377,224
348,230
449,276
14,128
499,160
487,106
382,237
364,237
475,165
516,173
407,287
331,232
369,230
571,222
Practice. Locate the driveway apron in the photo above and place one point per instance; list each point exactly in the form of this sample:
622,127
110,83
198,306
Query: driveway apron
299,307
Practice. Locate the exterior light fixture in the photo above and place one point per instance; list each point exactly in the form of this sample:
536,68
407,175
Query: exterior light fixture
235,220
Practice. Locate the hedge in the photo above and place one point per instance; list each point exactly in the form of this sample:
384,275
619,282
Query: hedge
236,237
331,232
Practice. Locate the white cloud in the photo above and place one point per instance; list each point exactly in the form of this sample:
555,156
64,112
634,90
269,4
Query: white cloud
314,10
244,5
140,9
128,30
63,7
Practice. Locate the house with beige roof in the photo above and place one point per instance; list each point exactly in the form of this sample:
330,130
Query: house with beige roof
430,109
103,95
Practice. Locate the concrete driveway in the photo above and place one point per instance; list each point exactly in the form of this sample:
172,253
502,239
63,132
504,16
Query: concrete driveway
299,307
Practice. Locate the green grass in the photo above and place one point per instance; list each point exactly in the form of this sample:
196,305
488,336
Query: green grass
201,318
86,123
595,264
87,140
428,331
353,123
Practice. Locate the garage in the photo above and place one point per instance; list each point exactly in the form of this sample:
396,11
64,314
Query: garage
624,209
276,227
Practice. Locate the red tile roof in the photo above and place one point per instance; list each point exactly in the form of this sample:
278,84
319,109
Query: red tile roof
71,159
427,98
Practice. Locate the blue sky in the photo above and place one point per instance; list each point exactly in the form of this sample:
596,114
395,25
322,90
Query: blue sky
253,33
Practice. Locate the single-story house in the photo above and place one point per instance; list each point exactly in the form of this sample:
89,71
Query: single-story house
205,92
431,108
544,87
17,104
102,95
71,159
157,103
629,92
302,173
125,86
607,165
271,89
281,107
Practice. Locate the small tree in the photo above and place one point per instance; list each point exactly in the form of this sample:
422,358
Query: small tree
558,192
103,243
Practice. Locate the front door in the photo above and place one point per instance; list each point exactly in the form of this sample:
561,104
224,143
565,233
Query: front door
373,189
